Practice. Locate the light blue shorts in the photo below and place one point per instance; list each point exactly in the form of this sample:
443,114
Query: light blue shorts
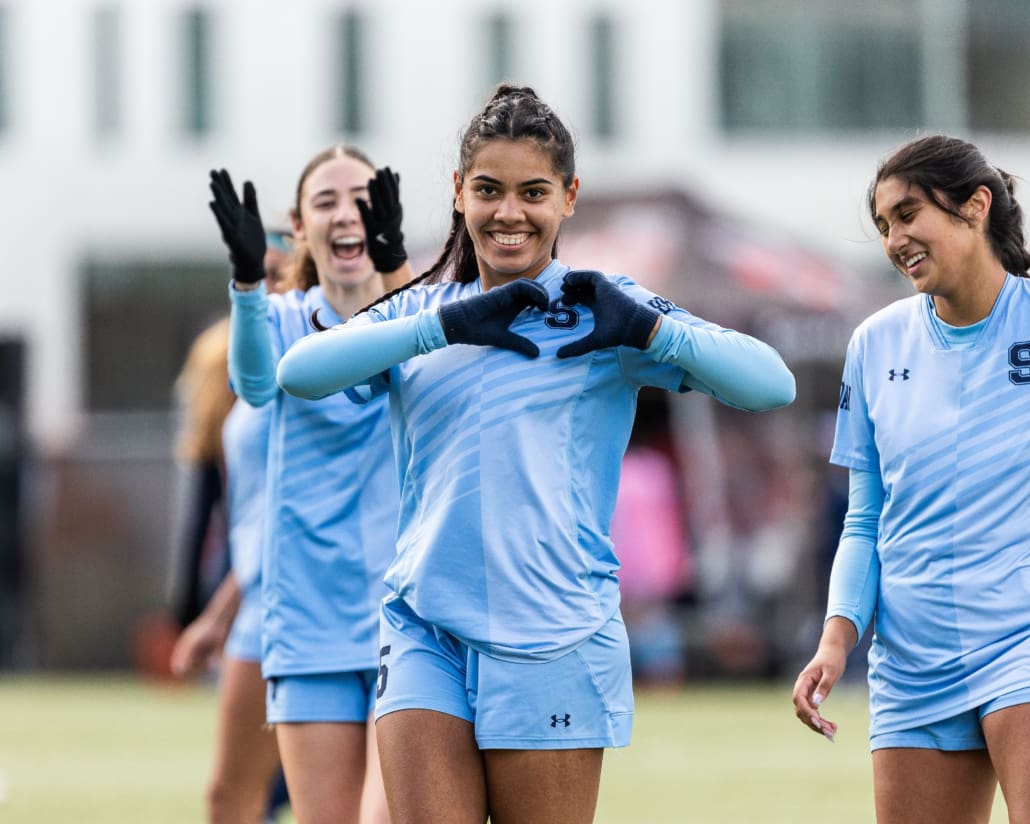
960,732
583,699
244,641
324,697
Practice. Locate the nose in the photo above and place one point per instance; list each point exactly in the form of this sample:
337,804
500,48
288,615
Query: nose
346,212
509,209
896,238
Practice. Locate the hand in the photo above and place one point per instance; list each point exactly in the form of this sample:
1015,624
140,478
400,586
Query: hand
619,320
813,687
198,648
382,218
241,227
483,320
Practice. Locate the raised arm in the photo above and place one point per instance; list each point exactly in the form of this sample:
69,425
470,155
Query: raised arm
251,360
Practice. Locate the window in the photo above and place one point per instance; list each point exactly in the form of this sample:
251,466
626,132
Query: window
195,27
798,65
106,70
499,39
602,63
351,116
5,38
140,319
998,65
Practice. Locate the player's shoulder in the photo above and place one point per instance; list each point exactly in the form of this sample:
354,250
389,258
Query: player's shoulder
419,296
892,317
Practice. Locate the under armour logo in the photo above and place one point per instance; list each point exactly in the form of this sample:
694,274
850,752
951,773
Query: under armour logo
563,720
894,373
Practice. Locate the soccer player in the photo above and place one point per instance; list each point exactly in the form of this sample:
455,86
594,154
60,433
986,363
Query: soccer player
332,487
933,426
227,632
505,668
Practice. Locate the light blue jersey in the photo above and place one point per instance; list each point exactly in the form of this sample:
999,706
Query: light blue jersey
948,431
509,466
245,446
332,500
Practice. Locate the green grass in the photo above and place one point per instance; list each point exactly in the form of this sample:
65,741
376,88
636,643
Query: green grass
115,750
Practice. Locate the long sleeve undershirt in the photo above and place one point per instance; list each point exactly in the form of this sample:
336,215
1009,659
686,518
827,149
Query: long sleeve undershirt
251,357
734,368
855,575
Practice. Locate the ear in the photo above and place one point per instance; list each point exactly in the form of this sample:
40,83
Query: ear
571,193
459,201
978,207
298,226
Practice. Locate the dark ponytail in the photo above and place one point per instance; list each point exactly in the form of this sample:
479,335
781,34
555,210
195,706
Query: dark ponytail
948,170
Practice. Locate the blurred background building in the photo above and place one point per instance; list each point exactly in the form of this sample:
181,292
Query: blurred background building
725,147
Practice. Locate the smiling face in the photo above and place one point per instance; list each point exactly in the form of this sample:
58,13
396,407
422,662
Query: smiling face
935,250
514,202
330,223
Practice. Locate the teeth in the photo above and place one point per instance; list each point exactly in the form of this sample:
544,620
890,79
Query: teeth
350,240
511,240
912,261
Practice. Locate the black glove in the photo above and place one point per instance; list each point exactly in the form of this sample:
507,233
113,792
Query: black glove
483,320
619,320
241,227
382,218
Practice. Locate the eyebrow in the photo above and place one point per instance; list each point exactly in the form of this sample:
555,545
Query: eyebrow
330,191
907,200
536,181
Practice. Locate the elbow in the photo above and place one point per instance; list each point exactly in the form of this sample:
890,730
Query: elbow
772,395
785,391
781,389
291,380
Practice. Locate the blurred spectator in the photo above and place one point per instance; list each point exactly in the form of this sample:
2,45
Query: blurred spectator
651,542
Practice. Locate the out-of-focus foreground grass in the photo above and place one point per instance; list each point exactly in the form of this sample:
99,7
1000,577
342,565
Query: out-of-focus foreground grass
115,750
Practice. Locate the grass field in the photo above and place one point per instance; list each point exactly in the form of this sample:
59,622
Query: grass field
115,750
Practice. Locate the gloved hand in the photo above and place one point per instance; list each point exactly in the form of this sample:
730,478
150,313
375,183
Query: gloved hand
382,218
619,320
241,227
483,320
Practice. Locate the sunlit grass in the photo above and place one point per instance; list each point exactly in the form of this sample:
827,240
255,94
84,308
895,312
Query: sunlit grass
115,750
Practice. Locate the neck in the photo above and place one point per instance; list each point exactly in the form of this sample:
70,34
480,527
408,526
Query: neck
974,301
348,299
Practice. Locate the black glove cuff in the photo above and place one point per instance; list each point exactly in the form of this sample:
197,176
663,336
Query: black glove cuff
247,275
390,259
454,322
639,323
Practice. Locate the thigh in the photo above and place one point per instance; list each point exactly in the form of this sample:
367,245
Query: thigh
564,785
246,757
324,764
1007,731
928,786
432,768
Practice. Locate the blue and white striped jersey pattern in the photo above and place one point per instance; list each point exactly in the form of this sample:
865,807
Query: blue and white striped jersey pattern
332,515
949,432
245,445
509,470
